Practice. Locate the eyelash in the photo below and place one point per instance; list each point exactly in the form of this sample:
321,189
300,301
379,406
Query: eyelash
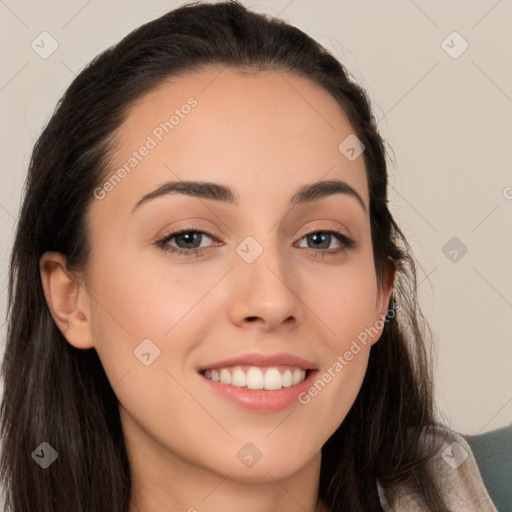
162,243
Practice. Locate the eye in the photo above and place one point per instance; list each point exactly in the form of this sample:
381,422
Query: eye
188,241
322,240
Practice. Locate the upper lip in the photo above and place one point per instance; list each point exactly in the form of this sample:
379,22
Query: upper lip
256,359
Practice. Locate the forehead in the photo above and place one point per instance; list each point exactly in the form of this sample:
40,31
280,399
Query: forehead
262,133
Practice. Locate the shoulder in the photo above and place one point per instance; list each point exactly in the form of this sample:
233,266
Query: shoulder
454,467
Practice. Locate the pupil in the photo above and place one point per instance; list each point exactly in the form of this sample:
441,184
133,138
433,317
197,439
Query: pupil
190,235
316,235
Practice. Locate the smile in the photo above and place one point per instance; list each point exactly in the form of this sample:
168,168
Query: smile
270,378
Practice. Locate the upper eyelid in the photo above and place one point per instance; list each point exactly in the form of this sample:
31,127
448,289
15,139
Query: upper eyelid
339,227
179,231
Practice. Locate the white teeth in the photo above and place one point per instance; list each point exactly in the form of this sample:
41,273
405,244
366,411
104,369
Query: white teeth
287,379
256,377
225,376
297,376
239,379
273,379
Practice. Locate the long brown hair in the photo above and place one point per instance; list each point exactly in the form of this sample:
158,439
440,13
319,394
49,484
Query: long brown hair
57,394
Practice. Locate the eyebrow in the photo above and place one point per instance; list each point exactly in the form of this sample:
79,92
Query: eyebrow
219,192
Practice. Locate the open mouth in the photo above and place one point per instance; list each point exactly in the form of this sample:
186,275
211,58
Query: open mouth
270,378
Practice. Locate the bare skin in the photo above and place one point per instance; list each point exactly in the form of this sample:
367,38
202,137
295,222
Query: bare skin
264,135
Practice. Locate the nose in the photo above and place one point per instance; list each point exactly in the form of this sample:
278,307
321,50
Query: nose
265,292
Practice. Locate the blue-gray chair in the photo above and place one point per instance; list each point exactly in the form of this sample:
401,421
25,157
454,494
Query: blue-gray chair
493,454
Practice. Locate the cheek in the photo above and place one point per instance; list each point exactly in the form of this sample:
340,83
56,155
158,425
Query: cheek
139,321
342,300
145,298
334,390
141,308
344,306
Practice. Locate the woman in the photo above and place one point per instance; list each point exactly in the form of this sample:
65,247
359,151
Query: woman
211,306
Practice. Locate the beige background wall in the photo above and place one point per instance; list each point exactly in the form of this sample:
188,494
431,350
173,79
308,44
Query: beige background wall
447,119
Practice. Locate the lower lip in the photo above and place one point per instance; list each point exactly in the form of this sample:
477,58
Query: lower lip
261,400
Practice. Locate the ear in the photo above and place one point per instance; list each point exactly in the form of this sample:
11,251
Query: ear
385,288
67,299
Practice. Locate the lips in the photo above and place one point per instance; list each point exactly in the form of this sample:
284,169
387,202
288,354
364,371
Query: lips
258,374
276,394
265,360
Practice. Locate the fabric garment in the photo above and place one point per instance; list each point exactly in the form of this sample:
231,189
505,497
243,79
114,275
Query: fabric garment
455,467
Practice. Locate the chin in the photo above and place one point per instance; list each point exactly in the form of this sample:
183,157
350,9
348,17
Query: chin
266,464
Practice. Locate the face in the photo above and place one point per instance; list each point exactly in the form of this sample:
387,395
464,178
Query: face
269,276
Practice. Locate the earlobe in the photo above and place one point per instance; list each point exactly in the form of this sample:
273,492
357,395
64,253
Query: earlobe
388,284
384,294
67,300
